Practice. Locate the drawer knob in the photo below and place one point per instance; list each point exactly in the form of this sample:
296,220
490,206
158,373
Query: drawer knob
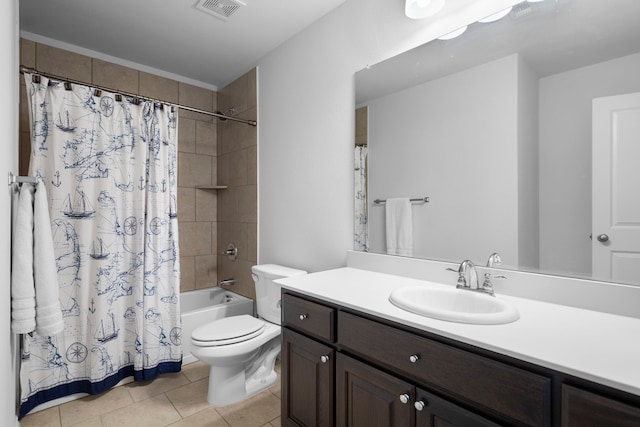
303,316
324,358
414,358
404,398
419,405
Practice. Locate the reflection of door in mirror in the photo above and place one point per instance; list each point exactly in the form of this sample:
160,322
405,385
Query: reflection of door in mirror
616,188
360,225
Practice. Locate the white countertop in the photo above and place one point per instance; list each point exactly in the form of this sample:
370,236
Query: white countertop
601,347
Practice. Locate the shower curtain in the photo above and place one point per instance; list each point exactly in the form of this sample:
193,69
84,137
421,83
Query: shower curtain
360,226
109,163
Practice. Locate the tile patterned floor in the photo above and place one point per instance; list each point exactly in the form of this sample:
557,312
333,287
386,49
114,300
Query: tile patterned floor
177,400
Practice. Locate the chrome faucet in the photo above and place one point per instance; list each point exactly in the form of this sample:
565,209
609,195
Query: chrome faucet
467,275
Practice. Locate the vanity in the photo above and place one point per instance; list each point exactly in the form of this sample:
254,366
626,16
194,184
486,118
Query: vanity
351,358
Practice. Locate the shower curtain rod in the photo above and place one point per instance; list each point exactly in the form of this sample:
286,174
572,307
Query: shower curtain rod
222,117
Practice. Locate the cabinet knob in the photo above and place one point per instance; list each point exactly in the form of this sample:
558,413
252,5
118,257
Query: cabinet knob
414,358
303,316
419,405
404,398
324,358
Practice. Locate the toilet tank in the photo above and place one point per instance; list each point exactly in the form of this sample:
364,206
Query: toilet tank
268,292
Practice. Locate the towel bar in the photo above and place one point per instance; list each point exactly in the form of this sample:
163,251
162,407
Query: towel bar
422,199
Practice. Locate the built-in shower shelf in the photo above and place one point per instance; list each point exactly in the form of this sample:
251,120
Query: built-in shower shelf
211,187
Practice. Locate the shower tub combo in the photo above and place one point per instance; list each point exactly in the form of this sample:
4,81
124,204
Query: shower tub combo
204,306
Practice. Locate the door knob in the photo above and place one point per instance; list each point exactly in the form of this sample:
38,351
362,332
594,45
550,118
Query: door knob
419,405
303,316
404,398
324,358
414,358
602,238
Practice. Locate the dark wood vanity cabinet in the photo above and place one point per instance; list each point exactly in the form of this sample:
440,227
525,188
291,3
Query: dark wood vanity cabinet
346,369
308,363
308,372
581,408
366,396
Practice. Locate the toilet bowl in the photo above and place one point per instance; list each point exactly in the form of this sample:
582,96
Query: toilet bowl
242,350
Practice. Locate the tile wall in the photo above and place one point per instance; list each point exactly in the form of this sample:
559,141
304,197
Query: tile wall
237,169
210,153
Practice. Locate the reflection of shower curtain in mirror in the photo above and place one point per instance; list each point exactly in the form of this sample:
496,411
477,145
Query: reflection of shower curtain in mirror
360,225
110,168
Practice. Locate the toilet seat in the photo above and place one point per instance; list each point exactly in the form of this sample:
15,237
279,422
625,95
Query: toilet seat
229,330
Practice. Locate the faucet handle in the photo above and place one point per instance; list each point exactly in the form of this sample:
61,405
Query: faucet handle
487,285
461,282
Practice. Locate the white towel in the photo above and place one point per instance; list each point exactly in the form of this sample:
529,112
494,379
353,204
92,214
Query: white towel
23,299
399,227
48,310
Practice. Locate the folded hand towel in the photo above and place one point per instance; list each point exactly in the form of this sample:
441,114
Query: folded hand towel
23,302
48,310
399,226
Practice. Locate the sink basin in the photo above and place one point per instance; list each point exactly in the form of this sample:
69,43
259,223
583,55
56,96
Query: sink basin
454,305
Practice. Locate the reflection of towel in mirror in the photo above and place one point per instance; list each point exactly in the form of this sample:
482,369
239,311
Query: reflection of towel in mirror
48,311
23,298
399,227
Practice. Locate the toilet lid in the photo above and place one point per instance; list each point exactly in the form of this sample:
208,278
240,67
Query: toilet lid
228,330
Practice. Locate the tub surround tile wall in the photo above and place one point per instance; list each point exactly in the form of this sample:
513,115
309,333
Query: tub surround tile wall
237,169
210,153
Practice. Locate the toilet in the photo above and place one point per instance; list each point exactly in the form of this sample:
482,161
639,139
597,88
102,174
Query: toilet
242,350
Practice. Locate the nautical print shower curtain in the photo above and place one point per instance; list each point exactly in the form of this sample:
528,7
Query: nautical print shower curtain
109,163
361,226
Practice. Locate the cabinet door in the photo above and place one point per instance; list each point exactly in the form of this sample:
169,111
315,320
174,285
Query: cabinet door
581,408
308,370
367,397
432,411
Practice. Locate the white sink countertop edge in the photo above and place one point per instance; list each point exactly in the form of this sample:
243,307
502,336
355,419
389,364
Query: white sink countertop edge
600,347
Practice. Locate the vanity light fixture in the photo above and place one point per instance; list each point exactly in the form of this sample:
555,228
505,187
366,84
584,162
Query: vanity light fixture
494,17
453,34
418,9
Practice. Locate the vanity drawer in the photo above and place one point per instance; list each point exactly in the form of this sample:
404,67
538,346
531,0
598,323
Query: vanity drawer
310,317
498,388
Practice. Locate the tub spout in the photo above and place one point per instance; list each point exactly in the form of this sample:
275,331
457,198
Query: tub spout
226,282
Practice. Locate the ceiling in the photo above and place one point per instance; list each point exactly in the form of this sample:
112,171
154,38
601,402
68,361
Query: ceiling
173,35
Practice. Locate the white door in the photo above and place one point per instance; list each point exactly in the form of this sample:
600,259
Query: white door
616,188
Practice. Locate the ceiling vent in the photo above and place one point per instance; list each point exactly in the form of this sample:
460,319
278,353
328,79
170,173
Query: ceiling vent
221,9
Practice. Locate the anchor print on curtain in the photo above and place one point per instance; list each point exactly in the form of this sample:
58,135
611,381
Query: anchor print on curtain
110,167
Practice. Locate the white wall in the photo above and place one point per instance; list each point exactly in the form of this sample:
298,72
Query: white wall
8,163
306,129
528,172
453,139
565,158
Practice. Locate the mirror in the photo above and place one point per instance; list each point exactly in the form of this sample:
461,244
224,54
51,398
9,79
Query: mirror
495,127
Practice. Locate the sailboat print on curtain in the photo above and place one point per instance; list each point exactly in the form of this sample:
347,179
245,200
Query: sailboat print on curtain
98,250
80,208
111,174
65,123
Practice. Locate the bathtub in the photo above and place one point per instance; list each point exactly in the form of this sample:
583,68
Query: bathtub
206,305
